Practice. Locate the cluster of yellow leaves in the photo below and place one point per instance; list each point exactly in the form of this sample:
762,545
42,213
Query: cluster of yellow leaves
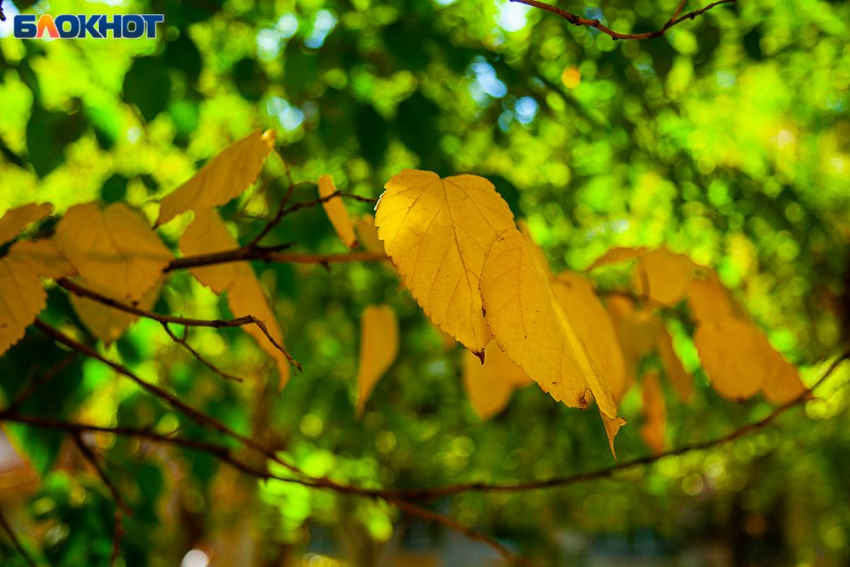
457,248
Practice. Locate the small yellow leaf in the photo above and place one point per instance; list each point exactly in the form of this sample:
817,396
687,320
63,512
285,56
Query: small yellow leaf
43,258
114,249
490,385
207,235
612,427
16,220
682,381
21,300
438,233
708,299
223,178
654,413
378,349
733,355
663,276
593,326
637,330
106,323
368,234
617,255
337,213
246,297
530,325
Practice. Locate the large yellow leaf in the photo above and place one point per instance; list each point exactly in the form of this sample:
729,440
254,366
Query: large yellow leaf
113,248
490,385
337,213
21,300
530,325
378,349
734,356
367,233
208,234
223,178
43,258
654,413
593,326
106,323
16,220
682,381
438,233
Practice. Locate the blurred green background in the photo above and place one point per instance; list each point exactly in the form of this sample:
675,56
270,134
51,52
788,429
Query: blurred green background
728,139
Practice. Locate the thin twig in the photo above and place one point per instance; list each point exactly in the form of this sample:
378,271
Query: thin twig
267,255
77,289
185,344
101,472
10,533
577,20
452,524
117,536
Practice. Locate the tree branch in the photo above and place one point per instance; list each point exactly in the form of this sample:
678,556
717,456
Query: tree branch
263,254
577,20
101,472
185,321
16,543
560,482
185,344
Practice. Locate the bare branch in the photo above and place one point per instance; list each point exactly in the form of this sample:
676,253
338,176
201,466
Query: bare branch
577,20
101,472
437,518
10,533
561,482
269,255
185,344
214,323
195,415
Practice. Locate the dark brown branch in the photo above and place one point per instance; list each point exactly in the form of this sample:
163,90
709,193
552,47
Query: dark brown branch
16,543
101,472
195,415
431,516
185,321
577,20
561,482
185,344
268,255
117,536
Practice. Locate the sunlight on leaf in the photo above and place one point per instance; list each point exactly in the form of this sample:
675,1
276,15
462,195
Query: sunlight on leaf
337,213
378,349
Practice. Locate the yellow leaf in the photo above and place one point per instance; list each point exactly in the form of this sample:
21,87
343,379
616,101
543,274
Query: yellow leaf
438,233
734,356
682,381
378,349
106,323
16,220
114,249
612,427
490,385
663,276
637,330
708,299
337,213
530,325
617,255
43,258
541,255
207,235
654,413
593,326
246,297
223,178
368,234
783,382
21,300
